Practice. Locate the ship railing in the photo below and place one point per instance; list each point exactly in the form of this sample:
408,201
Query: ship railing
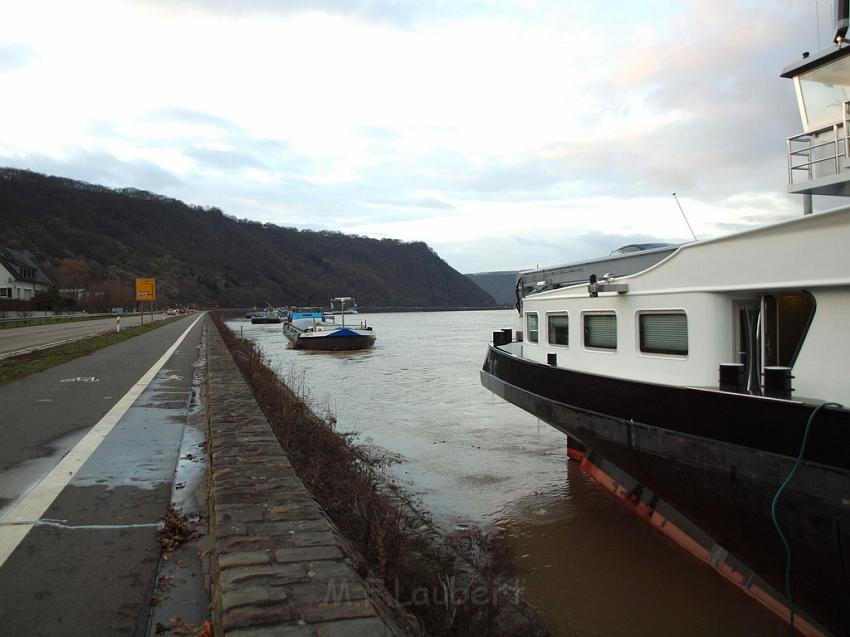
807,151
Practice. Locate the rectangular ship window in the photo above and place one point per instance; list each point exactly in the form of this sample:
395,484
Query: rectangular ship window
600,331
664,333
559,329
531,319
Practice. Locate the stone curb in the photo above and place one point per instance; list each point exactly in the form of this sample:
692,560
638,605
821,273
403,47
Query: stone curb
278,566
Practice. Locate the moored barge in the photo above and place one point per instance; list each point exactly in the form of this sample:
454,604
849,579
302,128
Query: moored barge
312,330
707,389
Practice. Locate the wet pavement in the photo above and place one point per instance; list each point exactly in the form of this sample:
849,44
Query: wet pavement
89,560
18,340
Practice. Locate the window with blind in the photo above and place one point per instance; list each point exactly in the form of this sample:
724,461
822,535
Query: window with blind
600,331
558,329
664,333
531,320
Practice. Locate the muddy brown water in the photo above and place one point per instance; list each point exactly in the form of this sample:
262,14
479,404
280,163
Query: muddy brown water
472,459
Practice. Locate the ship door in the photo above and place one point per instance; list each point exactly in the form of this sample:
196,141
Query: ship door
786,321
749,343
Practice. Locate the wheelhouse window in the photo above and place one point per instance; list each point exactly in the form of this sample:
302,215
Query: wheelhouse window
531,324
600,330
664,333
558,329
823,91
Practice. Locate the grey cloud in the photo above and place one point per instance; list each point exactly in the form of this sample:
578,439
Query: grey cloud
538,176
737,113
102,168
414,202
520,252
223,159
589,245
242,149
455,176
747,222
181,115
14,56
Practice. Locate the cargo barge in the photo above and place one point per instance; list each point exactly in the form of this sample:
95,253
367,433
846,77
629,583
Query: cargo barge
706,387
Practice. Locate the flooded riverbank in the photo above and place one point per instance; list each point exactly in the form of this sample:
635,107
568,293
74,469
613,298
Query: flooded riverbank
473,459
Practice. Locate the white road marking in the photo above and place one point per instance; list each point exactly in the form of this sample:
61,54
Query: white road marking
81,379
89,527
172,377
35,348
20,519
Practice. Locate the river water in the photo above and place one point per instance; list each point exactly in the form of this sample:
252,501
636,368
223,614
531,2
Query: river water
473,459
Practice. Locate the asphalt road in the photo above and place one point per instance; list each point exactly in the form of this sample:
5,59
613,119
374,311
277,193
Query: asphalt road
18,339
88,564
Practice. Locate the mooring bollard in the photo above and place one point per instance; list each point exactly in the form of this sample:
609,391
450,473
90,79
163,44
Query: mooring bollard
117,324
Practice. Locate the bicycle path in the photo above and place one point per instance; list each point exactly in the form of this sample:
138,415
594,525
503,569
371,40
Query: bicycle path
88,453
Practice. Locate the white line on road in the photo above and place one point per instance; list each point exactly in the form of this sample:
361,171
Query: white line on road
21,518
98,527
28,350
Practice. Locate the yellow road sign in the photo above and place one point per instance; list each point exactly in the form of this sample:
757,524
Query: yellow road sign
146,289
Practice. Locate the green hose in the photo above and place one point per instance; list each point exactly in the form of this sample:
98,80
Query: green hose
776,499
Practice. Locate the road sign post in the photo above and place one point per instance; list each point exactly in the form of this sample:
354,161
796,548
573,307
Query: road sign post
145,291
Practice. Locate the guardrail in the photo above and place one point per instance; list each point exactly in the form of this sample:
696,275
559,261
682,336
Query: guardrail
31,321
804,154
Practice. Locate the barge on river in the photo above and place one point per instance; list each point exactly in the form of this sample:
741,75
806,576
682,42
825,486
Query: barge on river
707,388
269,316
315,330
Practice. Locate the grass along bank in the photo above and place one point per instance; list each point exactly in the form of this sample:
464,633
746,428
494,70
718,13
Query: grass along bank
18,367
458,584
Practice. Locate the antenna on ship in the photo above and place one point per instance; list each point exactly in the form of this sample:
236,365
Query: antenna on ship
817,19
684,216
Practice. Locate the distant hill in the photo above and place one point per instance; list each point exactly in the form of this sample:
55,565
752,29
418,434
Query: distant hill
500,285
205,256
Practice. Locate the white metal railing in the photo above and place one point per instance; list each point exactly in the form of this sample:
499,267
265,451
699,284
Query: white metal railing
805,152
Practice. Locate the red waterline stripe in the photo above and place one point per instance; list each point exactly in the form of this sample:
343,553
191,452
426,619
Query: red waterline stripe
692,546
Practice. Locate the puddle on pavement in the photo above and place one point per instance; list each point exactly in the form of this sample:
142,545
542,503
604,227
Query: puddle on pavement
19,479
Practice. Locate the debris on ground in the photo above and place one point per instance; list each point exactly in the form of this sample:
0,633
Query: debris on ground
176,531
178,627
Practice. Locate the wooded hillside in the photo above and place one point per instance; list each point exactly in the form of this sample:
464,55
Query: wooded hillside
201,255
500,285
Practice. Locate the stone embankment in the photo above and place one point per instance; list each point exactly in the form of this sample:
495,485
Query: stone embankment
278,566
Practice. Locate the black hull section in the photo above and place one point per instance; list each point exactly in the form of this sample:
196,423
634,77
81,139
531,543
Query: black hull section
265,321
718,458
333,343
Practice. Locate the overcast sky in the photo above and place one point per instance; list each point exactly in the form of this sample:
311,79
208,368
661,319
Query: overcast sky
504,134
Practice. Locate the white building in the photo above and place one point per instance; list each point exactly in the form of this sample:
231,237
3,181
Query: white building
20,276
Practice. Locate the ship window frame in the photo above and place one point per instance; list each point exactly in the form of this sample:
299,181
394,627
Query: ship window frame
533,335
584,323
549,330
661,351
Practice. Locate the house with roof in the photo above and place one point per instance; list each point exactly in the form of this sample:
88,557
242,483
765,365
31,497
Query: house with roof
20,276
